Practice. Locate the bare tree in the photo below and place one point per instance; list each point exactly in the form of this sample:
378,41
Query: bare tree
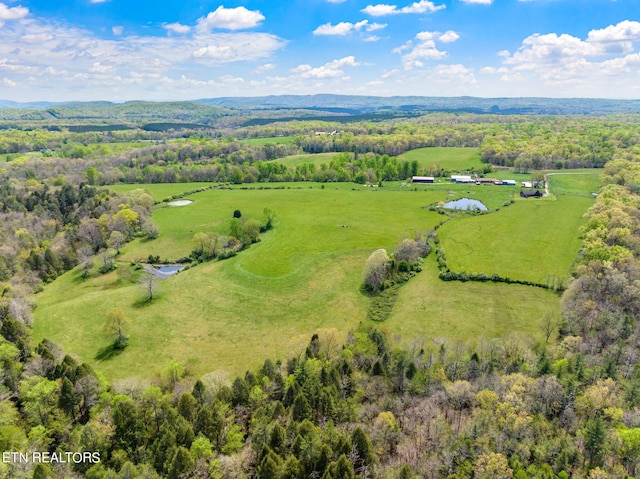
115,325
85,255
548,325
149,282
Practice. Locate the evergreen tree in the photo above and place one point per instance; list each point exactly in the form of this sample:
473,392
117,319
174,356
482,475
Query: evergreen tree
181,463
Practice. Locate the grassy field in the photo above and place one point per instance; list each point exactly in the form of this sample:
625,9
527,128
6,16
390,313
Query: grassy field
575,182
529,240
429,309
276,140
454,159
534,240
303,277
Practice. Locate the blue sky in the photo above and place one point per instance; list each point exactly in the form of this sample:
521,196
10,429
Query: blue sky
122,50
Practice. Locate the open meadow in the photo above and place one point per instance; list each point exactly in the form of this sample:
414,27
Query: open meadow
304,276
453,159
531,240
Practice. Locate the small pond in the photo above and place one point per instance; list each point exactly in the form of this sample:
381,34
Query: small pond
465,204
166,270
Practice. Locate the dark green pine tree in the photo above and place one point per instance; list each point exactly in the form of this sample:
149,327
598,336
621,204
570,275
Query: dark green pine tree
363,448
269,467
181,463
68,402
199,392
278,439
301,409
187,407
292,469
40,472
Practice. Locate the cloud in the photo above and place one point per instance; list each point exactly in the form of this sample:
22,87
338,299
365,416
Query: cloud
10,83
425,48
493,70
238,18
224,48
623,31
97,67
332,69
117,30
449,37
454,73
33,38
50,59
12,13
176,28
344,28
264,68
576,66
422,6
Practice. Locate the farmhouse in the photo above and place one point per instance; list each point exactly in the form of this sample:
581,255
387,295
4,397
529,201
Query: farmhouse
422,179
509,182
530,193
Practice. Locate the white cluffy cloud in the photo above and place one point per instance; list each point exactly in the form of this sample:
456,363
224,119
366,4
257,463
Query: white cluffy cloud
238,18
424,48
49,58
344,28
176,28
623,31
573,65
332,69
423,6
12,13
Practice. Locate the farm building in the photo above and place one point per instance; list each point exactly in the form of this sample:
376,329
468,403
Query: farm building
461,179
527,184
422,179
509,182
486,181
530,193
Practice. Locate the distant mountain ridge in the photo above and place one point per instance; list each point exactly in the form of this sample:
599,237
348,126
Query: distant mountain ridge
336,104
363,104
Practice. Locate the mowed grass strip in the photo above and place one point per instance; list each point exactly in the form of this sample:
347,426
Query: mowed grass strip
454,159
533,240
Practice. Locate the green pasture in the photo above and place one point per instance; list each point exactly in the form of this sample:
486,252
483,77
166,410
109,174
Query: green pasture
575,182
303,277
534,239
453,159
275,140
429,309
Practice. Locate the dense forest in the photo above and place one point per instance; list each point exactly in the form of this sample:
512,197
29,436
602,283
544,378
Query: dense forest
369,151
369,408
